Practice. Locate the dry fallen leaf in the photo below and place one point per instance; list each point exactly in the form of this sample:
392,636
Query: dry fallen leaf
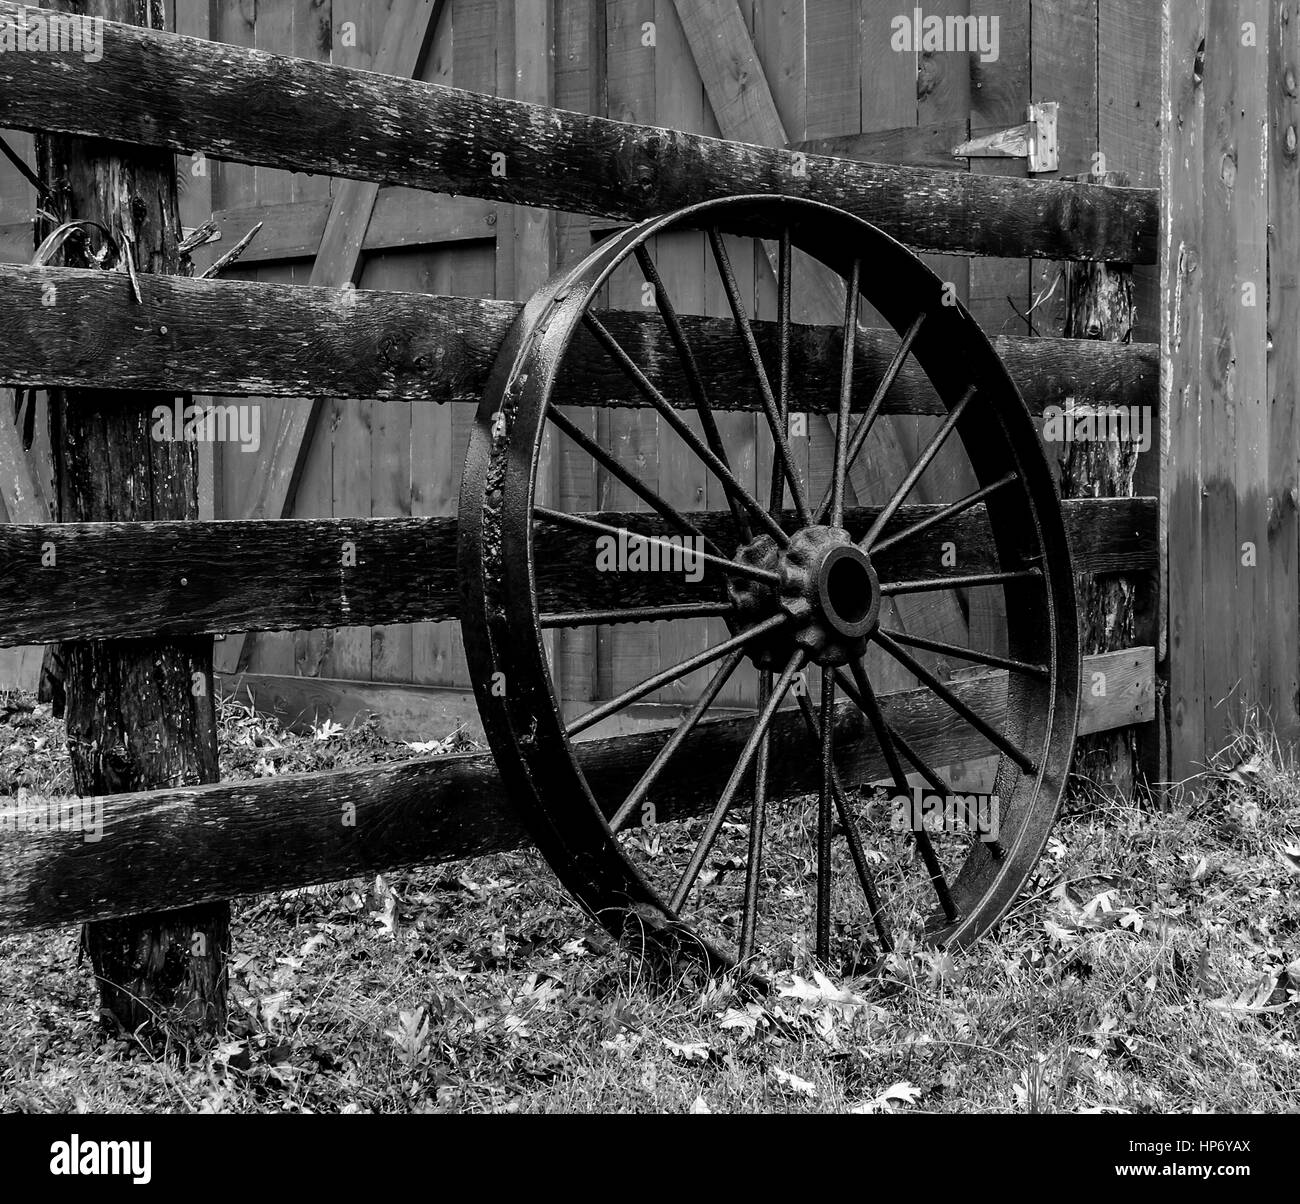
793,1082
690,1051
899,1093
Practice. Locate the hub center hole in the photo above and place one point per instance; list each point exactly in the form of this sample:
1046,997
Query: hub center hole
848,590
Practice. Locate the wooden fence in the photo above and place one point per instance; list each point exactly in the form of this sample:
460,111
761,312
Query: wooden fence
816,78
276,340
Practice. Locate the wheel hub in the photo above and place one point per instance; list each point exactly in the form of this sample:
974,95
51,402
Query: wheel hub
828,586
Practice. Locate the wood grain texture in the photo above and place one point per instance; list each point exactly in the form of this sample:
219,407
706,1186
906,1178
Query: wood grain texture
1183,294
1283,502
129,580
159,90
402,217
198,844
251,339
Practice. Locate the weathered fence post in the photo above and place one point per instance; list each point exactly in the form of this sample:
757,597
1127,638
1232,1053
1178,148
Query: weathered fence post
140,712
1099,305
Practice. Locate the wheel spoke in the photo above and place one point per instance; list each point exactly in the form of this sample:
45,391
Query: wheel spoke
967,654
865,877
633,802
675,673
985,729
581,523
781,448
693,378
867,421
636,614
757,829
824,821
971,581
632,482
943,788
666,411
714,825
958,507
869,704
785,284
844,419
994,847
914,473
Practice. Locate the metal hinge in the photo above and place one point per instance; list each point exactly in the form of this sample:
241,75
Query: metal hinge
1035,141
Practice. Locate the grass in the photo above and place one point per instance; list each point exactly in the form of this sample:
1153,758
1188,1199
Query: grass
1153,965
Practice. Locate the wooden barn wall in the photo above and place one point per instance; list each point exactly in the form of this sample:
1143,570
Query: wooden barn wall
1230,362
836,84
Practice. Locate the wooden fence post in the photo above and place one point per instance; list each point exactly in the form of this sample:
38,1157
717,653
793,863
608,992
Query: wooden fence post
139,713
1099,306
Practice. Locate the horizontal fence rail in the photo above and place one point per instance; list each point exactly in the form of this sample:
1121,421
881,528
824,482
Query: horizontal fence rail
122,580
173,848
161,90
66,328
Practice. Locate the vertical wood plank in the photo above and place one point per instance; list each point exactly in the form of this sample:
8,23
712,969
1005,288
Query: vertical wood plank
234,185
629,653
579,86
780,39
313,38
435,476
1183,286
1128,127
680,104
834,68
435,469
999,95
390,461
1246,413
274,33
1063,68
1283,630
351,422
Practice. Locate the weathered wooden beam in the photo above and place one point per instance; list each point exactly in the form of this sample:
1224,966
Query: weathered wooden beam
205,843
244,105
125,580
242,338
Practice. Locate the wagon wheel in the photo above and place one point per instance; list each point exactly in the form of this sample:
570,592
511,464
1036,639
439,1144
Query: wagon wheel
804,586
